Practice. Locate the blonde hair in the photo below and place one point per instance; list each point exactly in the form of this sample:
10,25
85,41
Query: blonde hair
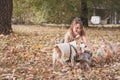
77,20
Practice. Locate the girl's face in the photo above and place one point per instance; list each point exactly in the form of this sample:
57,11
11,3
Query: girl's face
76,29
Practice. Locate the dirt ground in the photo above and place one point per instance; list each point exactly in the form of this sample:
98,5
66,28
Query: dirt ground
26,54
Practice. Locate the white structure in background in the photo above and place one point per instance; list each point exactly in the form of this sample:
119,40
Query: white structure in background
95,20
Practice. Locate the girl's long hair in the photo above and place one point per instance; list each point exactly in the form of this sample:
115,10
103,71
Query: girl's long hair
77,20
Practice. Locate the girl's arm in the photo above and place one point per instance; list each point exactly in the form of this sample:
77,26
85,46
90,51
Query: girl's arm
67,38
86,41
84,38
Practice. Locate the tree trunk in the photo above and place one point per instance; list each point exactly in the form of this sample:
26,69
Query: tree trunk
84,12
6,7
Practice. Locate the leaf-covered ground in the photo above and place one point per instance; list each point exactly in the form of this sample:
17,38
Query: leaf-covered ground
27,55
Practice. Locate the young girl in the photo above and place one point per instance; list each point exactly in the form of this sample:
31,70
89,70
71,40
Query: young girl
75,29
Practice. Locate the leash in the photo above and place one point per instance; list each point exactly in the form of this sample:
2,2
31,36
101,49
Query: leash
71,46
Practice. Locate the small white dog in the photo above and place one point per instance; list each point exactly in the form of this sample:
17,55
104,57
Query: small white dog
63,51
105,52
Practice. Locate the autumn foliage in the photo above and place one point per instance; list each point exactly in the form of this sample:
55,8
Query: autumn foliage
26,54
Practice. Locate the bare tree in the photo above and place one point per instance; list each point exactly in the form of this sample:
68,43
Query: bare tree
6,7
84,12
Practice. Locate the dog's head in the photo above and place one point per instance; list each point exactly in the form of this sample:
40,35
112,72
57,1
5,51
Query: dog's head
88,52
85,56
80,45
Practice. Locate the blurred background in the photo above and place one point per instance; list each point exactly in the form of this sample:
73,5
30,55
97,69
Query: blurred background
63,11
